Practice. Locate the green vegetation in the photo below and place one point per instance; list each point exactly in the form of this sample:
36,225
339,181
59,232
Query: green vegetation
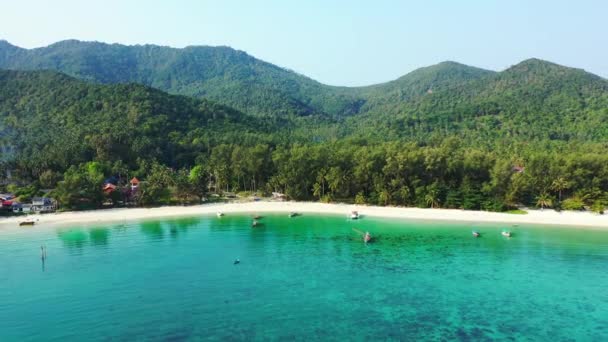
448,136
222,74
517,212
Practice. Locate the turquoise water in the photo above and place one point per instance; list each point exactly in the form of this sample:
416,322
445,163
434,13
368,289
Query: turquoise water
303,278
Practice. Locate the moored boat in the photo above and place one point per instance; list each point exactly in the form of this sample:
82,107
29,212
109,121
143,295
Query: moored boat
257,217
476,234
367,237
354,215
506,233
220,214
254,223
293,214
27,223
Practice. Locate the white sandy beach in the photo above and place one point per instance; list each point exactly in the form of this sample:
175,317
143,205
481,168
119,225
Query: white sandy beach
546,217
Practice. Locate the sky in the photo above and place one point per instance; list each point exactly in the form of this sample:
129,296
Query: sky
339,42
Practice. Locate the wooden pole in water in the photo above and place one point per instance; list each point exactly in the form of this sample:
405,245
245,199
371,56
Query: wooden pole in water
43,252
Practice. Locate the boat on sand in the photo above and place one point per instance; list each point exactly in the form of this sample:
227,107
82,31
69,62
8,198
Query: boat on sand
27,223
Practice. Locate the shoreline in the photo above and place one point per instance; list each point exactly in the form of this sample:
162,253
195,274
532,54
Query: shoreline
546,217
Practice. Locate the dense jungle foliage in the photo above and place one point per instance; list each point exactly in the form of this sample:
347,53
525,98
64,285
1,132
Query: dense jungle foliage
448,135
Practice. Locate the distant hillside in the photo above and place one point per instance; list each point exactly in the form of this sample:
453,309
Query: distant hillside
55,121
420,82
222,74
533,100
228,76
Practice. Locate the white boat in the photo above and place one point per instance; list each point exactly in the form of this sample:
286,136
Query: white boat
354,215
220,214
506,233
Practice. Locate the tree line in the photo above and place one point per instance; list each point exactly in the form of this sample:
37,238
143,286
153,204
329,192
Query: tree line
446,175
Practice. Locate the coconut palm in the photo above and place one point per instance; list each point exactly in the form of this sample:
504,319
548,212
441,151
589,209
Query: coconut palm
431,198
384,196
543,200
559,185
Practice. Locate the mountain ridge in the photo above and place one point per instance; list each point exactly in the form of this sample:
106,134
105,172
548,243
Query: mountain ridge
69,42
236,79
50,116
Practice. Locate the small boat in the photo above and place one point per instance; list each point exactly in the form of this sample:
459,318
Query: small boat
257,217
293,214
254,223
27,223
354,215
220,214
506,233
476,234
367,238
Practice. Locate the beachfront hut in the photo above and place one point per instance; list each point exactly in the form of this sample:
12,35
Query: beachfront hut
43,204
109,188
22,207
134,183
6,205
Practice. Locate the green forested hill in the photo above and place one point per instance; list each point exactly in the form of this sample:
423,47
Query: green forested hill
532,101
227,76
53,121
439,77
222,74
447,135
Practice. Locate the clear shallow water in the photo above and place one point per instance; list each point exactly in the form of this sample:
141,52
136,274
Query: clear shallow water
308,277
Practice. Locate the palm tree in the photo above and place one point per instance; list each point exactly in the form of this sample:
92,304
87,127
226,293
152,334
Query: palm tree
317,190
431,198
384,196
544,200
559,185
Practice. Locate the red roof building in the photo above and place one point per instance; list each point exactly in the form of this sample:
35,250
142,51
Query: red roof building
109,188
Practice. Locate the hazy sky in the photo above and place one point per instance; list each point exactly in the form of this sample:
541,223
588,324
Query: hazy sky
340,42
